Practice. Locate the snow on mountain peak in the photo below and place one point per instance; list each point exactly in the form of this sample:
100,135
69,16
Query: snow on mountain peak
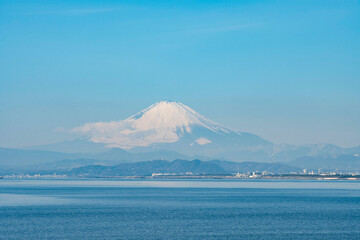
172,115
202,141
162,122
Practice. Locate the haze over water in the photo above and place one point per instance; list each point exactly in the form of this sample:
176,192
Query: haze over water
179,209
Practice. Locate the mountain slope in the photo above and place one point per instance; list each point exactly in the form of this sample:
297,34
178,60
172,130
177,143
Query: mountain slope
171,126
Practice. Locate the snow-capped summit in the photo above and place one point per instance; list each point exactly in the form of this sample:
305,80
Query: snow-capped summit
173,116
173,130
168,125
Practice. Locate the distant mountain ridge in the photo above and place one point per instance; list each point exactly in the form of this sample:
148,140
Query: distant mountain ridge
342,162
10,157
14,158
268,153
177,167
169,126
147,168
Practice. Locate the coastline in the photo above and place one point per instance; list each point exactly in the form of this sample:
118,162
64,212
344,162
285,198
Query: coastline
195,177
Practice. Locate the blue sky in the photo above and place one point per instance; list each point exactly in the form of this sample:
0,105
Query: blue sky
288,71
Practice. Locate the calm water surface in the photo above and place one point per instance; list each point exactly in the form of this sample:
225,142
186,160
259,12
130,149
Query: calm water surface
179,209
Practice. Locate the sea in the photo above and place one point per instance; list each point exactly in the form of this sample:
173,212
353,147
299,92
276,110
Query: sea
179,209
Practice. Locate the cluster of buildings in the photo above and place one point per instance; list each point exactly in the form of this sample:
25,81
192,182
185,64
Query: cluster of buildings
171,174
303,174
34,176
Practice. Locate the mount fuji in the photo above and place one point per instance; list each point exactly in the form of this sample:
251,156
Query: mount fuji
172,126
173,130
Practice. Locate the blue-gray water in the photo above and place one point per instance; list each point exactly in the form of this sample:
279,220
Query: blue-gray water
119,209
